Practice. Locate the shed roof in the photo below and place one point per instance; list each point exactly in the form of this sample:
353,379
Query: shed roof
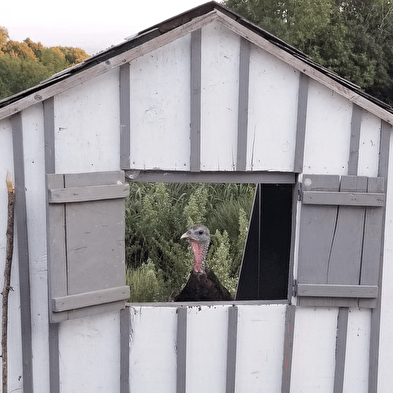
175,27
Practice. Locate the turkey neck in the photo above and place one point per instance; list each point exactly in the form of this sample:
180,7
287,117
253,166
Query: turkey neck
200,251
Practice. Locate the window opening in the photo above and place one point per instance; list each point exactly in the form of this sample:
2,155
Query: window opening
265,268
159,262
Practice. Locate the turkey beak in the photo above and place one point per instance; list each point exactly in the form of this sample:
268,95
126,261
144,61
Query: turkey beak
185,235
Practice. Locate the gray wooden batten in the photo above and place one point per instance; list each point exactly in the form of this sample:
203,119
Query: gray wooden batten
88,193
343,313
242,126
211,177
301,121
23,251
181,350
375,328
343,198
49,138
356,122
195,109
125,115
49,135
125,331
336,290
288,348
231,349
341,346
86,299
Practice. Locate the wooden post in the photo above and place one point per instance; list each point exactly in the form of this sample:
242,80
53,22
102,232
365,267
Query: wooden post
7,280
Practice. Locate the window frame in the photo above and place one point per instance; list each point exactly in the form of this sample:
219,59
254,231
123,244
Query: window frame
257,177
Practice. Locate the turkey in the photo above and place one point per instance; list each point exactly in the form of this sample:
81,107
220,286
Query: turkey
202,285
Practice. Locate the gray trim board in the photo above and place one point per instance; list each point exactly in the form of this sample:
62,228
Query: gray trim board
88,193
181,350
49,132
54,358
242,125
356,122
342,198
87,299
125,116
301,122
125,330
288,348
195,109
341,347
23,251
231,349
383,167
211,177
50,168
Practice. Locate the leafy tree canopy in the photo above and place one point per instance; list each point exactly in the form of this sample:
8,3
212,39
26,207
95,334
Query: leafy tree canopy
352,38
25,64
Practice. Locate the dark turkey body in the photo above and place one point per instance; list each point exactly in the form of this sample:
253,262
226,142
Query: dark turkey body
203,286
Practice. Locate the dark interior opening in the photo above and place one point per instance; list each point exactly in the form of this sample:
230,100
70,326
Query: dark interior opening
265,267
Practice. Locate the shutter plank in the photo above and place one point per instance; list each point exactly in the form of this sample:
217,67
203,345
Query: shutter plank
372,244
95,245
345,257
91,193
317,225
72,302
343,198
56,243
334,290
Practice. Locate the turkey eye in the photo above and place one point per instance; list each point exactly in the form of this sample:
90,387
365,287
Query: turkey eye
200,232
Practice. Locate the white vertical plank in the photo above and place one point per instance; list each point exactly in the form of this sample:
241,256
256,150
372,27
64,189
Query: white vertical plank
153,349
385,375
33,136
220,92
328,129
89,354
87,126
274,89
160,108
260,348
313,360
369,145
357,354
206,349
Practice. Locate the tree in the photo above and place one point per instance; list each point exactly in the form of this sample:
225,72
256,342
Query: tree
18,74
25,64
352,38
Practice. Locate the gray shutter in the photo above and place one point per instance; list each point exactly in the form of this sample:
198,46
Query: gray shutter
86,261
340,240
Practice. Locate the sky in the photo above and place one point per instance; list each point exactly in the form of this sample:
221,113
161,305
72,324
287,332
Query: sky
90,25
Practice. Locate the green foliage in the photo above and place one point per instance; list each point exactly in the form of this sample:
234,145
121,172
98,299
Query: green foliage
145,283
19,74
25,64
220,261
353,38
157,214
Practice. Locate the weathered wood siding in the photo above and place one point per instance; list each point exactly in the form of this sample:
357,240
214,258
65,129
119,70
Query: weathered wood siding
206,100
86,126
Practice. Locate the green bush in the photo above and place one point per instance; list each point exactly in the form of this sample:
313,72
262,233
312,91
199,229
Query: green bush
157,214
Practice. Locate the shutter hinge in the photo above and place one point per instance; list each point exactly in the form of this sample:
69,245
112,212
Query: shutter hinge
294,288
299,191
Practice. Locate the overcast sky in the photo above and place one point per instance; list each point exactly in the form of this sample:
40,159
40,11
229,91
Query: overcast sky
87,24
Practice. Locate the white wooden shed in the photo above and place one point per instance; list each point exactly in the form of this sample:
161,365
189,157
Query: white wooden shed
203,97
